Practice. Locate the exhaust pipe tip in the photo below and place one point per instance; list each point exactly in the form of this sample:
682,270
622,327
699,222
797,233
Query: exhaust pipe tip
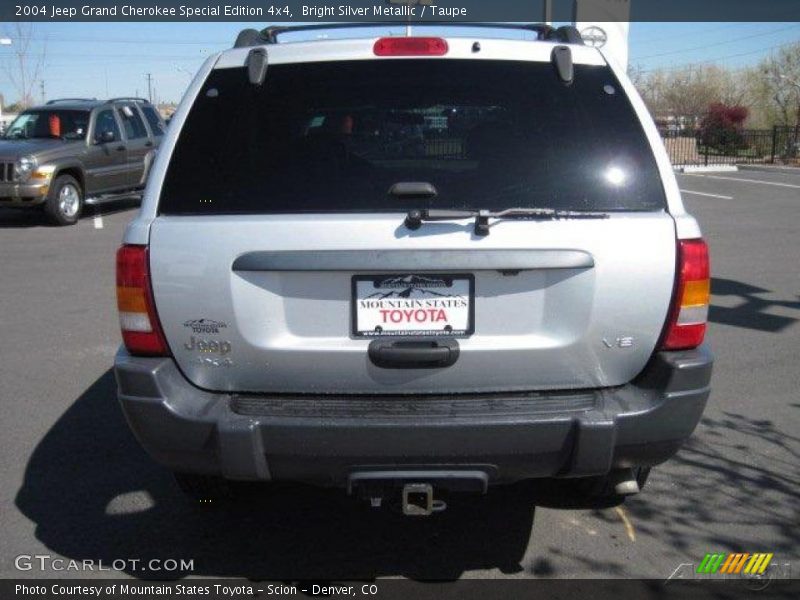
625,483
629,487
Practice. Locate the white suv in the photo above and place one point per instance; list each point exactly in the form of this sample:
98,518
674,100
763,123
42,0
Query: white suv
413,264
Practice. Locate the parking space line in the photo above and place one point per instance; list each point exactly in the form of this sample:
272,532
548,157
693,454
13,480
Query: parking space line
706,194
788,185
98,221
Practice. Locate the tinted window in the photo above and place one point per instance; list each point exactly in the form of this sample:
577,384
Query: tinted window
55,124
106,122
153,120
134,126
327,137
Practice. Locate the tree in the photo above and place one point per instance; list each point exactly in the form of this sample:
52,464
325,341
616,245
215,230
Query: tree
770,90
775,82
651,87
26,66
682,96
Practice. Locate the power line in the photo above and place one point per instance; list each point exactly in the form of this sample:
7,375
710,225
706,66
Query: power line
650,40
720,58
70,40
137,56
733,41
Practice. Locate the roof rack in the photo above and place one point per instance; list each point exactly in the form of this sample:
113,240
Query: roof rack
128,99
253,37
59,100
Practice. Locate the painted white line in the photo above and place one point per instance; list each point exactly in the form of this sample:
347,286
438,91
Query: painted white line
98,221
705,194
788,185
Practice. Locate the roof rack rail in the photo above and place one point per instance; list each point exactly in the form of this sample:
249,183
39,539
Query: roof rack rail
58,100
128,99
269,35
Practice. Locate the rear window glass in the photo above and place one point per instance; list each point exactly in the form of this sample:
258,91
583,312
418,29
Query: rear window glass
153,120
335,136
134,126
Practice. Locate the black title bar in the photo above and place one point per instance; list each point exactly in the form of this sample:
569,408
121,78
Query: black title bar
388,11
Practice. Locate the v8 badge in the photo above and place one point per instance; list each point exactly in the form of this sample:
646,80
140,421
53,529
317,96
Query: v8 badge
620,342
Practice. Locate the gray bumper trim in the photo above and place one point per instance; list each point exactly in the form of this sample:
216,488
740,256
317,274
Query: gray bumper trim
12,193
510,437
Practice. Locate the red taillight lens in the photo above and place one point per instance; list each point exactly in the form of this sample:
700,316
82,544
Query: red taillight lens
141,331
686,327
410,46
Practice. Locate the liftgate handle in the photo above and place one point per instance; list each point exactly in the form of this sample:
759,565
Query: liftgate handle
414,354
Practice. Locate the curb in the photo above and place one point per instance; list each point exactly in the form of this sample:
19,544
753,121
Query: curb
770,169
706,169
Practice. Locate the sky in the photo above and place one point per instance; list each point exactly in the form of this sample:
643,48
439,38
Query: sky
113,59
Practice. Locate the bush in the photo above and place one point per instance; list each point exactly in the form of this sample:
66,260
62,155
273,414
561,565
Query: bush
721,128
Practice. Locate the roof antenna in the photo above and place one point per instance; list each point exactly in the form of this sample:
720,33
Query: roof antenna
257,65
248,37
561,57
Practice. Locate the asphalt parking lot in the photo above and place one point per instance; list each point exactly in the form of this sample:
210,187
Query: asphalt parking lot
74,483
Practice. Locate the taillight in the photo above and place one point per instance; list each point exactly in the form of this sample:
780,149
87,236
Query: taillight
410,46
141,331
686,327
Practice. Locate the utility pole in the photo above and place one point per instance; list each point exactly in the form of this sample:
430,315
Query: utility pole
41,87
149,87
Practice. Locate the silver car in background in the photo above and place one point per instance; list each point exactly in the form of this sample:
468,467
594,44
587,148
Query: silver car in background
413,265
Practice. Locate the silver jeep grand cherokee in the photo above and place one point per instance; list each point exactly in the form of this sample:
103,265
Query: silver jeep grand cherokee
413,264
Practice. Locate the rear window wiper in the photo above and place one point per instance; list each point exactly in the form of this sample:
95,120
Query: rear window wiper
416,217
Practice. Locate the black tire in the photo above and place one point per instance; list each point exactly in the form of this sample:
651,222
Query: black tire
204,490
64,202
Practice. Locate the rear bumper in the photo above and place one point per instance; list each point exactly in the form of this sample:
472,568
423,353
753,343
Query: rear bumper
325,439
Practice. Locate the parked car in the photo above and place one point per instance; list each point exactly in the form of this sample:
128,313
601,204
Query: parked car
301,302
72,152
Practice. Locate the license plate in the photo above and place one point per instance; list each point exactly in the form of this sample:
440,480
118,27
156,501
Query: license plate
424,305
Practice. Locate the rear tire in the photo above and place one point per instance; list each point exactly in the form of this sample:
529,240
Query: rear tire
64,201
